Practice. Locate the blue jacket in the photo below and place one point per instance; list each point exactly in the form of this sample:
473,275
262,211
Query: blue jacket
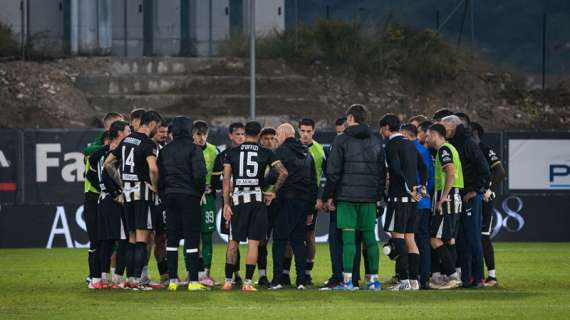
425,203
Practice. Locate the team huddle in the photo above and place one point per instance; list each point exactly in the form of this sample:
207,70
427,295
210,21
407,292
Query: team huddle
149,185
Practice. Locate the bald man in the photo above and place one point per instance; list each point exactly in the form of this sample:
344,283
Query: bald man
295,200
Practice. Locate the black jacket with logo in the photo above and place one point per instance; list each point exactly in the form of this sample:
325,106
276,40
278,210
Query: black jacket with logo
476,173
356,169
181,164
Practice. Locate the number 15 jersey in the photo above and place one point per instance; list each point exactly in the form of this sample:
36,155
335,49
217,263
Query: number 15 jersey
248,162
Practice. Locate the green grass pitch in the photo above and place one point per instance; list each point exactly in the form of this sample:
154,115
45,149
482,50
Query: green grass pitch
49,284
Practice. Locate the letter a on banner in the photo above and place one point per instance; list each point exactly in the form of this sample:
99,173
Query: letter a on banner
64,230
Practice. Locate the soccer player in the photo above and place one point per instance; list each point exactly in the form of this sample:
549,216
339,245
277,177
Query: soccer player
136,116
340,125
416,120
244,206
157,238
91,190
182,184
296,199
440,114
307,132
268,140
355,182
236,135
498,174
404,162
447,204
476,176
110,218
422,235
422,132
139,175
208,202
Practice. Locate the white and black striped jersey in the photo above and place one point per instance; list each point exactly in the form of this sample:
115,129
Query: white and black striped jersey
132,154
248,162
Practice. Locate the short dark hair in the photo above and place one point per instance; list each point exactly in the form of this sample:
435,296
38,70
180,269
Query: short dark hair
440,129
235,125
442,113
340,121
112,115
117,127
359,113
150,116
137,114
477,127
390,120
307,122
266,131
410,128
464,116
252,128
419,118
200,127
424,125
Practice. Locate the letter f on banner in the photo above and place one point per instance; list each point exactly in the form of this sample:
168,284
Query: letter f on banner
42,160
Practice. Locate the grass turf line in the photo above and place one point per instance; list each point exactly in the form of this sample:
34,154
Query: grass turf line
49,284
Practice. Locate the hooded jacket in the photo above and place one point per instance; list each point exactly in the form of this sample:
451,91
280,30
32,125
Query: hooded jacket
300,183
476,173
181,164
356,169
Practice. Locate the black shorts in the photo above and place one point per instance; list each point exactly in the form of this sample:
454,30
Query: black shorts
90,214
487,218
444,227
111,220
158,212
401,217
312,226
249,221
139,215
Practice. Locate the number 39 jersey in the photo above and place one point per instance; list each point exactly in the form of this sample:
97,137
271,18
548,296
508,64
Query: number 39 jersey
248,162
132,154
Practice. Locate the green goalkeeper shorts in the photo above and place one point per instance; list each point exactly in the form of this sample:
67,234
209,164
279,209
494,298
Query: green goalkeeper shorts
209,214
355,215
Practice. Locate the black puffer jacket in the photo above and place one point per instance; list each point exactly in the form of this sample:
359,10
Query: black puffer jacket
356,169
476,173
181,165
300,183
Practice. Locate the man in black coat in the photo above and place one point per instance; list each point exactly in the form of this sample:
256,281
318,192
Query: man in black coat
295,200
476,175
182,181
355,181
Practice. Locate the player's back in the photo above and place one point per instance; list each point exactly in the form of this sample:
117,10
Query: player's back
248,162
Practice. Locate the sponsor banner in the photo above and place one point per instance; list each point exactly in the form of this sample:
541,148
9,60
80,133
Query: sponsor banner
539,164
54,165
515,218
9,165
